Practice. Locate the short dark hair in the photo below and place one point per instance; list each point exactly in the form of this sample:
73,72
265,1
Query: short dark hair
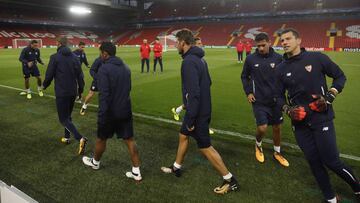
157,38
108,47
81,43
63,41
186,35
34,41
197,39
262,36
292,30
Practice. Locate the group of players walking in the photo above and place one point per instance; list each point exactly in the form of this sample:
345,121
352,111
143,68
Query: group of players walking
267,77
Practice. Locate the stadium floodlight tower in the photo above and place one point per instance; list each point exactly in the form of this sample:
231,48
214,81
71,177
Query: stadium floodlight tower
79,10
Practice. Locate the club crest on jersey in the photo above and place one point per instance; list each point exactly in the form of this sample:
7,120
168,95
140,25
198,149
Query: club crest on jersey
272,65
256,65
308,68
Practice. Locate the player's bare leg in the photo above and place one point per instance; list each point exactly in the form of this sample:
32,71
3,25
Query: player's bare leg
134,154
86,102
100,147
277,139
182,148
180,155
27,88
135,160
260,133
215,159
40,88
229,183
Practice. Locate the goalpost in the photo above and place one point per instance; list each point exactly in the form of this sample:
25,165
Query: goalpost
21,43
168,42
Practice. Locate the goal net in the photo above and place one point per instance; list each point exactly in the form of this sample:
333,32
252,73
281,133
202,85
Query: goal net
21,43
168,42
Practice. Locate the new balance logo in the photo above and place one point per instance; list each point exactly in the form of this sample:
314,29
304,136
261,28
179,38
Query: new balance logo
288,74
325,129
256,65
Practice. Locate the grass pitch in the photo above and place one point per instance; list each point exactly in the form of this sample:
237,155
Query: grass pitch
33,159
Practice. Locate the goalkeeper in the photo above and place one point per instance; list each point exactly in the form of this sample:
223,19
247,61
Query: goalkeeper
303,75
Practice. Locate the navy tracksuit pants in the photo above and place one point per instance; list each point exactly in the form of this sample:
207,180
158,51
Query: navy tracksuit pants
65,107
318,142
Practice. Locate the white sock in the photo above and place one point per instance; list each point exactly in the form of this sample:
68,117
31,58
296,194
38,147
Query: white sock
258,143
228,176
179,109
28,91
95,162
176,165
277,149
333,200
84,106
40,88
136,170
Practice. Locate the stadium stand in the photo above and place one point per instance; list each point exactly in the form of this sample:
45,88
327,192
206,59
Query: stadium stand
212,34
49,35
349,36
221,34
206,8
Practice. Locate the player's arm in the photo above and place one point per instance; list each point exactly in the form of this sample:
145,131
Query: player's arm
50,72
190,77
22,57
329,68
332,70
296,113
95,68
86,61
246,81
79,76
104,95
280,89
39,59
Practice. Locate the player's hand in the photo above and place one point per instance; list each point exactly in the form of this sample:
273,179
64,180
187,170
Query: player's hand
319,104
251,98
30,64
296,113
190,128
330,95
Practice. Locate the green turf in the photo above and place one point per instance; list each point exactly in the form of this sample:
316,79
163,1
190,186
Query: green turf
32,158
